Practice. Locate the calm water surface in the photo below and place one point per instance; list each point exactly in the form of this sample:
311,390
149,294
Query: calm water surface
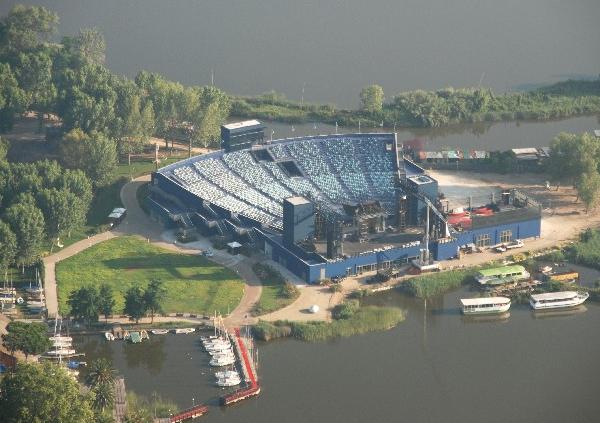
436,366
335,47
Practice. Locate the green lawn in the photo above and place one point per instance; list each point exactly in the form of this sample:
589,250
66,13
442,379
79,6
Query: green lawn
273,295
194,284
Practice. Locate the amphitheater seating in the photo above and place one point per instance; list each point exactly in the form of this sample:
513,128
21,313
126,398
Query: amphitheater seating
337,170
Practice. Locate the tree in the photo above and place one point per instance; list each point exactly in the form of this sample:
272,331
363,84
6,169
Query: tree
104,396
107,300
4,147
371,99
13,99
43,393
154,295
94,153
63,211
101,373
85,304
8,246
27,222
31,338
90,45
34,73
588,188
135,304
78,183
25,27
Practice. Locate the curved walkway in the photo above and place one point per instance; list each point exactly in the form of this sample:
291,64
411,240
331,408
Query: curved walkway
138,223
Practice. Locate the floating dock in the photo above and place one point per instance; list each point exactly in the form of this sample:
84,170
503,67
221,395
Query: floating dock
189,413
253,388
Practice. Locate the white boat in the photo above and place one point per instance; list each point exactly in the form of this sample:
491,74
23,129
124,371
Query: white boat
61,352
227,373
222,361
485,305
159,331
220,352
185,330
61,338
61,343
554,300
109,336
229,381
217,347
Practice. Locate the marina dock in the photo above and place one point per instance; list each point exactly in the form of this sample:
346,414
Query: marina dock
247,365
189,413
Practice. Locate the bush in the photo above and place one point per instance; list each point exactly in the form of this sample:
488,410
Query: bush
335,287
266,331
289,290
435,284
345,310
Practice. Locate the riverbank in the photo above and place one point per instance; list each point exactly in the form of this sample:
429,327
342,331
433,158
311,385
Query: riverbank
365,319
433,109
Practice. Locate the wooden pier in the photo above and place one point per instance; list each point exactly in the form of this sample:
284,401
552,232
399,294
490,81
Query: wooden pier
120,407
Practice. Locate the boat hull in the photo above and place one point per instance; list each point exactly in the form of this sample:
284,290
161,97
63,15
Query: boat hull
488,310
572,303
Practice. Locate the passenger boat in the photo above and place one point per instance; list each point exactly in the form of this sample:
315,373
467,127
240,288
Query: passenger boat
159,331
185,330
502,275
485,305
554,300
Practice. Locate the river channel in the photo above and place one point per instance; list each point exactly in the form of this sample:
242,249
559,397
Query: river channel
436,366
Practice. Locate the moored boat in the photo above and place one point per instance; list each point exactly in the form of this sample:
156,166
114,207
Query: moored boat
159,331
556,300
222,361
485,305
184,330
109,336
229,381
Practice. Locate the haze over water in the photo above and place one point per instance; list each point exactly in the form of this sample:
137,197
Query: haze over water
337,47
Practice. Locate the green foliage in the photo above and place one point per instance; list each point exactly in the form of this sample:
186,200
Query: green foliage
587,250
37,393
433,284
142,410
193,283
13,99
345,310
154,296
276,293
135,304
106,300
365,319
8,246
100,372
85,304
31,338
27,222
25,27
371,99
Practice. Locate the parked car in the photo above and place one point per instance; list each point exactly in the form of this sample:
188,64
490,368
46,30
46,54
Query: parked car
208,253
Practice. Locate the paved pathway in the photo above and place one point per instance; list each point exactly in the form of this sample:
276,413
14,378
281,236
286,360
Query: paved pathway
138,223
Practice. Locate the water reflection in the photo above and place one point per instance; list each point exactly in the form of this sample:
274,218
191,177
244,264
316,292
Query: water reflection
149,354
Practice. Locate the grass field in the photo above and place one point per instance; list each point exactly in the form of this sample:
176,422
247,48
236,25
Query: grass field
273,295
194,284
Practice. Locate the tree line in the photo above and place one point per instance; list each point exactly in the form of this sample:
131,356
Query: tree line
432,109
88,302
38,201
70,79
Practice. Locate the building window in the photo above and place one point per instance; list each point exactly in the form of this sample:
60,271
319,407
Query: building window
506,236
483,240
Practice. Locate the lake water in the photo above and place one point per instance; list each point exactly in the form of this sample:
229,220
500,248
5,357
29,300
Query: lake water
436,366
335,47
